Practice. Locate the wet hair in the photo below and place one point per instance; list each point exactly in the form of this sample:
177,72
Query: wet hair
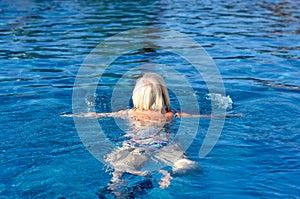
151,93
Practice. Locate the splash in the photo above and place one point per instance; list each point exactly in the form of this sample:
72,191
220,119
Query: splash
220,102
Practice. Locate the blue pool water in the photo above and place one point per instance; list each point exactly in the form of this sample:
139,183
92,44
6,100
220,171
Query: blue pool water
255,45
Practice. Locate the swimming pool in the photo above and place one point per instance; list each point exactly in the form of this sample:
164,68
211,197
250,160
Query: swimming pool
255,46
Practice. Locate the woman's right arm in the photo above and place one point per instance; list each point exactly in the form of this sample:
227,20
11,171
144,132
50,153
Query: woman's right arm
179,114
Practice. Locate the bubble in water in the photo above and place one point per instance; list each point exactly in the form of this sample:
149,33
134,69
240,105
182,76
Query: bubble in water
90,101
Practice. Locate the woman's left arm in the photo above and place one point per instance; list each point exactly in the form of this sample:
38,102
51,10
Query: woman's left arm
121,114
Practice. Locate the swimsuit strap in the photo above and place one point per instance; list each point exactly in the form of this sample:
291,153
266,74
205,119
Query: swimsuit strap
175,114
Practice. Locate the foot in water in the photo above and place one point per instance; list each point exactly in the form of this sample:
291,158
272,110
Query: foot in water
183,166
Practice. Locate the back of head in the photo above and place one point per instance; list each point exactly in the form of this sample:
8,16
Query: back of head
151,93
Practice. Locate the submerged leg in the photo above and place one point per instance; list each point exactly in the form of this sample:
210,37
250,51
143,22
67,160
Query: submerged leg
116,184
120,189
139,188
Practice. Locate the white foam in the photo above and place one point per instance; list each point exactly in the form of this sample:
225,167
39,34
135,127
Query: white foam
220,102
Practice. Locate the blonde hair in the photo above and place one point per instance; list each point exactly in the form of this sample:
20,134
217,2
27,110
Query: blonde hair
151,93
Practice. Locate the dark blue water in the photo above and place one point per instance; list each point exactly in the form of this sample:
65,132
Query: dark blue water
255,45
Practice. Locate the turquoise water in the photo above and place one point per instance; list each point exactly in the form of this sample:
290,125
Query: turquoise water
255,45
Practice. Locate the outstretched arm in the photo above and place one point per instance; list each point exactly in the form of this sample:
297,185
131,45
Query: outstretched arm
178,114
121,114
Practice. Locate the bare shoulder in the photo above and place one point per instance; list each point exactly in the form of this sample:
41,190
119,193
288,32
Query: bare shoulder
131,112
169,115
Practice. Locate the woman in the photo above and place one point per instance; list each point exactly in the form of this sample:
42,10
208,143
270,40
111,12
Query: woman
151,109
149,115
